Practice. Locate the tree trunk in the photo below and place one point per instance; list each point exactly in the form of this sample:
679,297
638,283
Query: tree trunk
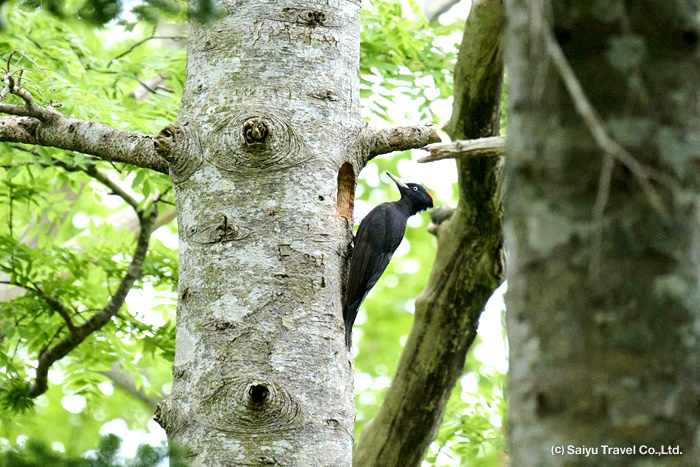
603,231
468,266
269,115
263,157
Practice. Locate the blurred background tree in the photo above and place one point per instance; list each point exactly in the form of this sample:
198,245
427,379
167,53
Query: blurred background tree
125,66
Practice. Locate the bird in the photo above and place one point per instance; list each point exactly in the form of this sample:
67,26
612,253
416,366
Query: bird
378,237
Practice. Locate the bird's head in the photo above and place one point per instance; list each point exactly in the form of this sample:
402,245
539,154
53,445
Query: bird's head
416,195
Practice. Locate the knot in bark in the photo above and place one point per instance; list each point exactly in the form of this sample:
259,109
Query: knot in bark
255,130
250,407
258,394
313,17
256,140
179,146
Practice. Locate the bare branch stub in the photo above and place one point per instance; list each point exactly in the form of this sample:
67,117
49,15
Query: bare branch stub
401,138
493,146
165,140
96,139
255,131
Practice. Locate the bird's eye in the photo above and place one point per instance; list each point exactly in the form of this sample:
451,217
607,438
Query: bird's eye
415,188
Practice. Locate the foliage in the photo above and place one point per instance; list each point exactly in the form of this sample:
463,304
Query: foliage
101,12
44,200
472,430
396,53
94,12
35,453
62,232
400,56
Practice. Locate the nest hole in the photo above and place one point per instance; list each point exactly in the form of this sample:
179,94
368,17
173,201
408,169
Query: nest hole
346,190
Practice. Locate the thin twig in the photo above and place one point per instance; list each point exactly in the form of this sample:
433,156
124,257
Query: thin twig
23,55
598,211
595,125
116,189
51,339
114,166
19,147
161,195
145,86
93,172
30,108
35,85
53,302
125,381
142,41
90,170
10,187
55,305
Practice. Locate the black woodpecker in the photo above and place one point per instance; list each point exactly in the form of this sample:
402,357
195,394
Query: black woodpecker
378,236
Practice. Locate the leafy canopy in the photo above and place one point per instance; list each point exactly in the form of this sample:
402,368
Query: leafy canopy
64,231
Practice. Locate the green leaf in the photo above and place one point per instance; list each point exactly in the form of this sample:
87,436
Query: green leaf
12,172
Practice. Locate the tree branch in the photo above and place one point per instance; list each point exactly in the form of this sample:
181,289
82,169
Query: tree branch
468,266
401,138
51,301
57,306
594,124
44,126
121,220
93,172
494,146
142,41
60,350
433,9
63,132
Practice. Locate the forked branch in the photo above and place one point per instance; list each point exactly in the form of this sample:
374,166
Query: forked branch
594,124
80,333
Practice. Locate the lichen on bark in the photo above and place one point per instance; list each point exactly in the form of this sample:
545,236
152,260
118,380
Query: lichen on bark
602,307
262,245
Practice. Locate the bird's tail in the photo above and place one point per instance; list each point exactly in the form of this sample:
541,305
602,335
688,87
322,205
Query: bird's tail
349,314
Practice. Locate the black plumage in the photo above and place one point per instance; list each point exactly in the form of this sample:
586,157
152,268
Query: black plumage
378,236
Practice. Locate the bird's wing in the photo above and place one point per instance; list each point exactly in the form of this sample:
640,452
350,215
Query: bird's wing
372,253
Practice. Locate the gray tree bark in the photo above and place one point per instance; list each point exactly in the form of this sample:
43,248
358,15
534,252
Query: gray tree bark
264,158
603,232
261,373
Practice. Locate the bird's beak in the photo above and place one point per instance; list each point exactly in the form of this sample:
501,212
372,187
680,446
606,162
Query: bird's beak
397,180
